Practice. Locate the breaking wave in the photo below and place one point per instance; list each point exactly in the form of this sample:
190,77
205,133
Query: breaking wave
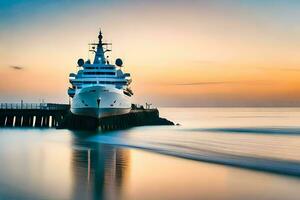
267,149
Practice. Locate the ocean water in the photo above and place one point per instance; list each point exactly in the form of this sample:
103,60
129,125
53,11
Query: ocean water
257,138
215,153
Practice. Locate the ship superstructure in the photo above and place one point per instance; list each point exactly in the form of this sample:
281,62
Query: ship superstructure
99,88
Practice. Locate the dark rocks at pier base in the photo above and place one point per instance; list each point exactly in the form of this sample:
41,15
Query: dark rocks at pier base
137,117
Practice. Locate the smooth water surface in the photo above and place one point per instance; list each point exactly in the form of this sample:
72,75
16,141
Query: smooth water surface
160,162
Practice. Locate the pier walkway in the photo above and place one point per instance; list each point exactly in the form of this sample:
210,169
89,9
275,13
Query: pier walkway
32,115
49,115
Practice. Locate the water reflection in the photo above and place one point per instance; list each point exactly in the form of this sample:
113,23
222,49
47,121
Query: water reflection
98,171
60,164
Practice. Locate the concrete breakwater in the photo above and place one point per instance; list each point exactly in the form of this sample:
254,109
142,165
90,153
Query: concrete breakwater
59,116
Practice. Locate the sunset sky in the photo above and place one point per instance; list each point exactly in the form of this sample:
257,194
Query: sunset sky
179,53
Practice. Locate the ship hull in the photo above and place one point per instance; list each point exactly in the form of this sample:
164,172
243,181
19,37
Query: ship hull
100,101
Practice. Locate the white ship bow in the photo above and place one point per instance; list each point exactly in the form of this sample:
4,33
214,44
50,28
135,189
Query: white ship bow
100,89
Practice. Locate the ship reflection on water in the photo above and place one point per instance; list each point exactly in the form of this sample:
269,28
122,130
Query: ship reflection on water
59,164
98,171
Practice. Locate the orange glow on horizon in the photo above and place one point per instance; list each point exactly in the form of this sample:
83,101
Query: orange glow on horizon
181,53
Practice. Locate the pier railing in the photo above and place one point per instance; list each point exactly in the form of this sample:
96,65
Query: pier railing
38,106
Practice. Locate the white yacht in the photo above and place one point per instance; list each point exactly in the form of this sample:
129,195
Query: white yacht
100,89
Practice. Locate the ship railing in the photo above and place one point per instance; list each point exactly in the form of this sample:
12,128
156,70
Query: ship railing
39,106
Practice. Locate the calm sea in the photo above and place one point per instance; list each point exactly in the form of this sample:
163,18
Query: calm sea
215,153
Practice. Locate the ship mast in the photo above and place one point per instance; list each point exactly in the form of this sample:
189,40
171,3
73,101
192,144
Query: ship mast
99,54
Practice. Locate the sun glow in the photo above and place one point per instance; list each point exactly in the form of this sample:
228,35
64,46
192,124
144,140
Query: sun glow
189,54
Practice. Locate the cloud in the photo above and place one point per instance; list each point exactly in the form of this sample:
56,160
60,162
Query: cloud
15,67
224,83
206,83
281,69
290,69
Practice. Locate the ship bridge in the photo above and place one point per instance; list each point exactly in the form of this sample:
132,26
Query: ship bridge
100,72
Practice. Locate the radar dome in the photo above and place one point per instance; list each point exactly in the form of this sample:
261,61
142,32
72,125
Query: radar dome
80,62
119,62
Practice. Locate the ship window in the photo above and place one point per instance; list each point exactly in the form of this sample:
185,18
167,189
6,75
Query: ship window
84,82
98,67
99,73
107,82
112,82
90,82
107,67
